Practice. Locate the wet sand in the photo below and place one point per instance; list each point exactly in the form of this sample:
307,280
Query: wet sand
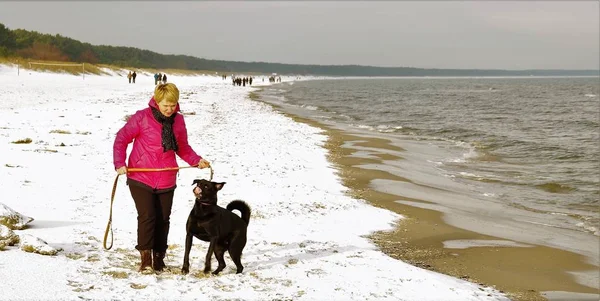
522,271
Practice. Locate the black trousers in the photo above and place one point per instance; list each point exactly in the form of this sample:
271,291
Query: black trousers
154,212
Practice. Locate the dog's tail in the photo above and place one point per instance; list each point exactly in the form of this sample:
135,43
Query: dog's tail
242,207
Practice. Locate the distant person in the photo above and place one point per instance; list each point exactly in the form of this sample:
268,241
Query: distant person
129,77
158,133
155,79
133,76
164,79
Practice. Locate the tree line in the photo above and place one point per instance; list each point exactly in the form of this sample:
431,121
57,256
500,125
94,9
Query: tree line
38,46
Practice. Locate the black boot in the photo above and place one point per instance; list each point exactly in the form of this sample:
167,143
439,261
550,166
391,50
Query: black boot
158,262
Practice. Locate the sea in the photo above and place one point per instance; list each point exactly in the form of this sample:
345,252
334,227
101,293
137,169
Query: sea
531,143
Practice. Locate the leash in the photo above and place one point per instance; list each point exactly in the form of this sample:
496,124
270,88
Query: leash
114,190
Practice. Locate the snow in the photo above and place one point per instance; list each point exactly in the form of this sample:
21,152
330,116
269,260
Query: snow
306,238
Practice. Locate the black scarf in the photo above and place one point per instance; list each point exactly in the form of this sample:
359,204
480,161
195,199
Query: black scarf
168,138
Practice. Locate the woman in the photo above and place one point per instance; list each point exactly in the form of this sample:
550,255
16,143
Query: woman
158,132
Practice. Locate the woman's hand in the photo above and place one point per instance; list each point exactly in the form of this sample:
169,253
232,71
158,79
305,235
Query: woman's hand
203,164
122,170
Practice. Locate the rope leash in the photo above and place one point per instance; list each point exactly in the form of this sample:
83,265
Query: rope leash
114,190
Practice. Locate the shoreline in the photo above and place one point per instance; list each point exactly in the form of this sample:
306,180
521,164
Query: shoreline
424,237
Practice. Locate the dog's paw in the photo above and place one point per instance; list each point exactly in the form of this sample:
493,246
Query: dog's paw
185,271
206,270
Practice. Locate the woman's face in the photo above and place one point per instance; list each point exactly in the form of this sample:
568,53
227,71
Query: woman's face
167,108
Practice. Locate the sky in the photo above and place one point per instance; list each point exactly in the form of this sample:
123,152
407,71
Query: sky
510,35
304,241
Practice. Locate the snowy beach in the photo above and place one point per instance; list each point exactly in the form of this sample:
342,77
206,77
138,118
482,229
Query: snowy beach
306,238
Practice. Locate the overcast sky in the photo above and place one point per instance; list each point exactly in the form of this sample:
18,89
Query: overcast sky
447,34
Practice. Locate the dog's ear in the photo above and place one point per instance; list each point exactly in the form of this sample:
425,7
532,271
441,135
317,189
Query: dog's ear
219,185
196,181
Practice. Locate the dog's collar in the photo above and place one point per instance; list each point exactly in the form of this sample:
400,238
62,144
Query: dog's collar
205,203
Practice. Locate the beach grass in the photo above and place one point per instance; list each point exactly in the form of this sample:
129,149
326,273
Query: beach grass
24,65
23,141
116,274
74,256
60,132
100,69
138,286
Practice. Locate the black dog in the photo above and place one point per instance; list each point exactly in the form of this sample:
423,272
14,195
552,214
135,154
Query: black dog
223,228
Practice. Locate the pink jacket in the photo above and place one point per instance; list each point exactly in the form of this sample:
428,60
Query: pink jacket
147,151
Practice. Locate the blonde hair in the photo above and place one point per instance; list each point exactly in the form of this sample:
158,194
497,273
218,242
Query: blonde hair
167,92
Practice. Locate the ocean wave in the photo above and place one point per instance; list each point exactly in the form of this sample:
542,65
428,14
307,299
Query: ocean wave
586,123
591,95
585,223
494,143
278,90
456,160
435,162
559,213
474,152
487,157
589,228
569,156
384,128
364,127
468,175
471,152
479,178
555,187
310,108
